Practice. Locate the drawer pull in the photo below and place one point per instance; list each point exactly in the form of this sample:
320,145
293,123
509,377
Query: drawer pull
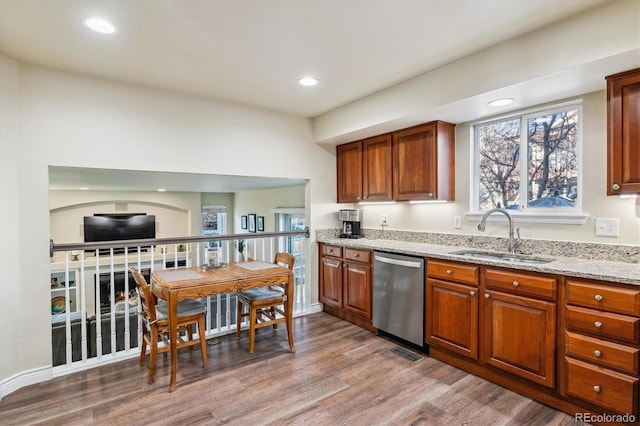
598,297
516,283
472,293
598,324
449,272
597,353
357,255
486,295
596,388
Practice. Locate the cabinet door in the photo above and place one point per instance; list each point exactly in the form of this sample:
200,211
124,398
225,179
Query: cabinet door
357,288
424,162
519,335
349,167
623,107
331,281
452,317
376,169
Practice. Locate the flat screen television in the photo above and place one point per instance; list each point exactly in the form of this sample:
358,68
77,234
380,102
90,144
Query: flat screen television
118,227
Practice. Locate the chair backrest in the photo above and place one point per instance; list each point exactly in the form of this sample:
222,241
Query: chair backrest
145,297
285,259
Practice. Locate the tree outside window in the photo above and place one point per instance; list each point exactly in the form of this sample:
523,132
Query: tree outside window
549,167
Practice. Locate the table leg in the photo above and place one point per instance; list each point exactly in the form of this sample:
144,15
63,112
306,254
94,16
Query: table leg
173,337
288,306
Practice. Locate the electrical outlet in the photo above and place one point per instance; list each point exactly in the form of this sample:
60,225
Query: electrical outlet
457,222
607,227
384,220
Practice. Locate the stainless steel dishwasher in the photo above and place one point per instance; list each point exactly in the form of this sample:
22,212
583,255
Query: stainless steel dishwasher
398,296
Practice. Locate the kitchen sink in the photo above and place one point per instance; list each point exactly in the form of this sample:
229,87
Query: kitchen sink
507,257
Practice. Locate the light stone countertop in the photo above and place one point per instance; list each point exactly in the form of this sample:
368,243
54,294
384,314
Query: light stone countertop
620,272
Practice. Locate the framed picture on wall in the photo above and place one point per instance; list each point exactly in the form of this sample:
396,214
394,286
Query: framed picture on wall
243,221
252,222
260,223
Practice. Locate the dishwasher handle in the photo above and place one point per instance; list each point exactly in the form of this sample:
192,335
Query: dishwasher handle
399,262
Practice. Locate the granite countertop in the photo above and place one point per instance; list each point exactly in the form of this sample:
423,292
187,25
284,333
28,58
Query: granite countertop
621,272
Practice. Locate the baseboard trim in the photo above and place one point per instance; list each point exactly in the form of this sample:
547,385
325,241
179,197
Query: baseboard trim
25,378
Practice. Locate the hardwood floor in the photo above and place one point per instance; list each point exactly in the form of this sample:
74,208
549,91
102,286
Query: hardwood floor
340,375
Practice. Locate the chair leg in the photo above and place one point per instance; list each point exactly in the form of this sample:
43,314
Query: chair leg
252,328
273,315
238,317
203,340
190,333
153,355
143,347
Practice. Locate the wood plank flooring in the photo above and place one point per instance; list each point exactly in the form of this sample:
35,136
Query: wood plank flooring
340,375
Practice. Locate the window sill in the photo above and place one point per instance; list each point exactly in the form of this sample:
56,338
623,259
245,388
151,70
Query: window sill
561,218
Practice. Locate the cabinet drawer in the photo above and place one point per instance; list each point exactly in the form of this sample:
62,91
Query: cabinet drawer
614,299
467,274
602,387
521,284
604,324
358,255
608,354
335,251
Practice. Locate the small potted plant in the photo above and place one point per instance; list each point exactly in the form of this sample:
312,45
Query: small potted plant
241,245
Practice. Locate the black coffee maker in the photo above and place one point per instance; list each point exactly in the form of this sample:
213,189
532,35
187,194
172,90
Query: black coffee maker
350,219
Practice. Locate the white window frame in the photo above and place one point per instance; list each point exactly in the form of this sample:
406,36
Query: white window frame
571,216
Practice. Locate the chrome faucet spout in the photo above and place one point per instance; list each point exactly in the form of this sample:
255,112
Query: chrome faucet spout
513,242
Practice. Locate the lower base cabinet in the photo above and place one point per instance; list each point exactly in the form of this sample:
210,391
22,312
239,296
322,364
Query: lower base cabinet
519,336
346,284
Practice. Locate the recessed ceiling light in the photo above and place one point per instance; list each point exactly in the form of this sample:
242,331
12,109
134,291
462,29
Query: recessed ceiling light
162,190
84,188
100,25
501,102
308,81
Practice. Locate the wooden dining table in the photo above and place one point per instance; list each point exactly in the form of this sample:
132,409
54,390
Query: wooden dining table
174,285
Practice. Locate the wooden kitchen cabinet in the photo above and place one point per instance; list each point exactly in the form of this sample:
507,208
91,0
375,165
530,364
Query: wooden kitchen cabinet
346,284
349,167
364,170
518,331
451,319
623,132
376,169
424,162
602,344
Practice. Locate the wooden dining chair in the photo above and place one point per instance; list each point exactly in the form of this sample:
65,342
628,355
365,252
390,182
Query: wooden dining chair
155,325
264,304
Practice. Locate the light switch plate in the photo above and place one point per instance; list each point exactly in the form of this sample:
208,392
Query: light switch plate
457,222
607,227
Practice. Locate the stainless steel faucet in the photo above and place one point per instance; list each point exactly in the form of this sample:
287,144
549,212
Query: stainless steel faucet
513,243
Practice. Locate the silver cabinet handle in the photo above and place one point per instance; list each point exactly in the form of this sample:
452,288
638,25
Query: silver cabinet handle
486,295
596,388
598,297
597,353
449,272
598,324
472,293
516,283
615,187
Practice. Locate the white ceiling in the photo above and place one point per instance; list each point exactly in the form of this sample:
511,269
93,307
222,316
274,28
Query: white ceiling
253,51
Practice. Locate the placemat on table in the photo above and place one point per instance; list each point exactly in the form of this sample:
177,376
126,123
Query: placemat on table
179,275
256,265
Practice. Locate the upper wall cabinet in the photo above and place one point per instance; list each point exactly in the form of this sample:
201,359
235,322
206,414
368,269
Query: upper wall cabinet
376,168
364,170
623,132
349,172
410,164
424,162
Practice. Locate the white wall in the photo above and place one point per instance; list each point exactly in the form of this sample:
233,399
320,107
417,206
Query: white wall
64,118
